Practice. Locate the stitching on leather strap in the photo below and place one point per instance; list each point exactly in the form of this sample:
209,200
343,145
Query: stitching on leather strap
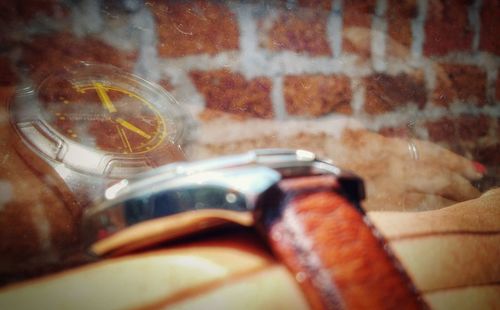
304,249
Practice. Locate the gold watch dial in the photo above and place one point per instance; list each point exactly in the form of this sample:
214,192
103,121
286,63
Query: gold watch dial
102,115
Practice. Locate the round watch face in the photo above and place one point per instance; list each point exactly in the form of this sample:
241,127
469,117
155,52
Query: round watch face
94,118
103,115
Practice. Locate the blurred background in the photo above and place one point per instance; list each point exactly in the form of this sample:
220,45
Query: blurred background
423,69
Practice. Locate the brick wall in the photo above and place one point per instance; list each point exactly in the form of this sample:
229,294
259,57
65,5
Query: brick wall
413,68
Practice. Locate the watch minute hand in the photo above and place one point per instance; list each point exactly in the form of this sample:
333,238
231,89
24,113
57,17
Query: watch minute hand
132,128
103,96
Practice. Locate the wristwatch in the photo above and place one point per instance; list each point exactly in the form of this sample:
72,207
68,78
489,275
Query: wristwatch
90,125
307,209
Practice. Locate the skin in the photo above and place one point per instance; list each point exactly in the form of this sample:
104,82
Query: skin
394,180
457,271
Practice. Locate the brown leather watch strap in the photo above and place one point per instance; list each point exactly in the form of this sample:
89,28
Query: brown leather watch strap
331,248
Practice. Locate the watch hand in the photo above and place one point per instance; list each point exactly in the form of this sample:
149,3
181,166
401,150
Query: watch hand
124,138
101,92
132,128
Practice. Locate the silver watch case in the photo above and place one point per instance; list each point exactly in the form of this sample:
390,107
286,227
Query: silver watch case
239,181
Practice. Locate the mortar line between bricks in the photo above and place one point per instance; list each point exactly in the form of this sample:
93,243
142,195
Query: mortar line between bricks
334,30
251,58
335,27
278,98
184,90
291,3
430,80
337,6
475,22
378,37
86,18
417,29
147,64
358,96
273,64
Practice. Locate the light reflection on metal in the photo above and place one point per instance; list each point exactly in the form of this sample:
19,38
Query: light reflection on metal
231,184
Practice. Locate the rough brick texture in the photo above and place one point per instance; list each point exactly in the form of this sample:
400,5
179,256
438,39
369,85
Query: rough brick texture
16,11
471,128
357,15
463,128
447,28
460,82
50,53
323,4
399,15
316,95
302,31
386,93
194,27
490,14
231,92
7,76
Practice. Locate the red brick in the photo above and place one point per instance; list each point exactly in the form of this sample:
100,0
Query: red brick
359,13
323,4
471,128
194,27
20,11
15,14
357,40
7,76
447,28
399,16
441,130
357,18
302,31
231,92
466,128
315,95
460,82
50,53
385,93
490,22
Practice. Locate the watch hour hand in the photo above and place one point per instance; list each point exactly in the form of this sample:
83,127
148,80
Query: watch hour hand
103,96
132,128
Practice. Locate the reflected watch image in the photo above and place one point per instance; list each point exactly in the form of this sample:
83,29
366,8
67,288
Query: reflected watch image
90,125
